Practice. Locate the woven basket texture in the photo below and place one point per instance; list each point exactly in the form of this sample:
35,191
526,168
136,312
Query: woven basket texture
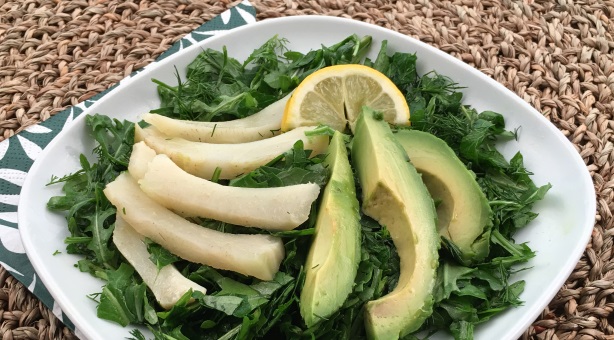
556,55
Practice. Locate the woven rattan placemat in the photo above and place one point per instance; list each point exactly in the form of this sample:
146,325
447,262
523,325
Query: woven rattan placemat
558,56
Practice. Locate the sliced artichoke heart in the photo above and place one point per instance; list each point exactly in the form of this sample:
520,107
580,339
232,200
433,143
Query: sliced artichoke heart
202,159
280,208
139,160
261,125
255,255
167,284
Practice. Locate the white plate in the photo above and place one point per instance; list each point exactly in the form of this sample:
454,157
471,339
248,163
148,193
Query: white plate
559,235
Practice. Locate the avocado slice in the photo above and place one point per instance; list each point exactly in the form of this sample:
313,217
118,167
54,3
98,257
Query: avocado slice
464,215
393,194
332,262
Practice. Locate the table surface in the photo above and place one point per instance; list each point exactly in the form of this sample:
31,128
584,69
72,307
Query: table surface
558,56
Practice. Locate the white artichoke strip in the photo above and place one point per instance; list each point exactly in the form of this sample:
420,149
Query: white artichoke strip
282,208
201,159
167,284
253,255
139,160
261,125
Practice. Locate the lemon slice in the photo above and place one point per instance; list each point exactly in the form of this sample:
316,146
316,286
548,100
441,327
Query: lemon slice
335,95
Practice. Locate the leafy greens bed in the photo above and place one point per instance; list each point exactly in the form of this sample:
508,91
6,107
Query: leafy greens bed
219,88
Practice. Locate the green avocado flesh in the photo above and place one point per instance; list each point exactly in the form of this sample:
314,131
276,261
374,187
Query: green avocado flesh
393,194
464,215
332,262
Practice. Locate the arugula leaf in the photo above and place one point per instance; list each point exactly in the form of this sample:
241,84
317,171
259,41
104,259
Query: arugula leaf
233,298
123,300
448,276
89,213
180,314
227,304
160,255
100,234
293,167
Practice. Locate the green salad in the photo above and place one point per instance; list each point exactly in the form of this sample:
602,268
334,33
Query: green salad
470,268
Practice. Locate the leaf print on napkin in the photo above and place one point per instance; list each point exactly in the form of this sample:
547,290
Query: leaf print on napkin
248,17
37,128
14,176
11,240
4,146
31,149
10,216
9,199
11,269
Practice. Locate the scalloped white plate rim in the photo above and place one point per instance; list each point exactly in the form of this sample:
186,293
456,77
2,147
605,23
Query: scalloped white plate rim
559,234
